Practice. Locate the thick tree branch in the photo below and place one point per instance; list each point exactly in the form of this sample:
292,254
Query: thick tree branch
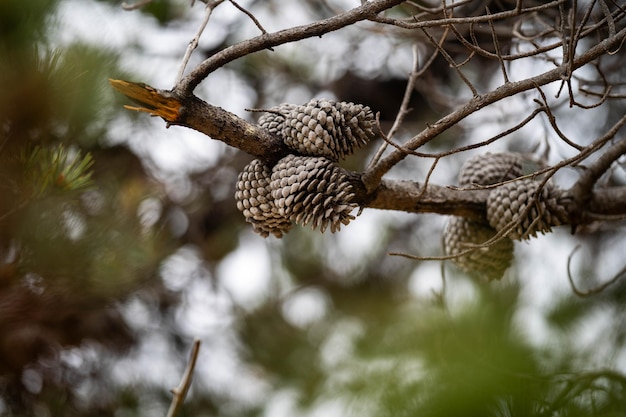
610,201
593,172
407,196
215,122
367,10
410,196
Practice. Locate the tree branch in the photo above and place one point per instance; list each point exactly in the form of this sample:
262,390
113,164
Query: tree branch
193,44
593,172
373,176
409,196
367,10
591,291
215,122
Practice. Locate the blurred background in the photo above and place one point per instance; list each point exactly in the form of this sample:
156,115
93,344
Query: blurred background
120,241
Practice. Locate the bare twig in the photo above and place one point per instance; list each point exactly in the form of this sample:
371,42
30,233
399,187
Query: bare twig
552,121
428,175
466,20
435,10
250,15
373,176
180,392
591,291
474,47
193,44
450,60
496,45
367,10
471,146
434,258
404,106
135,6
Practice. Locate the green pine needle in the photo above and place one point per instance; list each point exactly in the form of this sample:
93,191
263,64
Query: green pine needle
58,168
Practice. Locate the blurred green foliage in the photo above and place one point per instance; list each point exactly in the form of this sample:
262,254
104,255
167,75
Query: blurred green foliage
71,245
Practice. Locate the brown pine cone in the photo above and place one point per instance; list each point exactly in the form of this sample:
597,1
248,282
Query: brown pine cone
327,128
490,168
484,263
254,200
312,190
274,119
460,233
506,205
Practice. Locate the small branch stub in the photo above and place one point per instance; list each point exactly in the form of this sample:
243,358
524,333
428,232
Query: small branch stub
180,392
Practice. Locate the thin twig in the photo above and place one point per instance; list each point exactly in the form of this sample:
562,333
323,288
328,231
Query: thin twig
372,177
404,106
552,121
193,44
367,10
250,15
465,148
180,392
436,10
591,291
450,60
428,175
465,20
135,6
441,257
496,45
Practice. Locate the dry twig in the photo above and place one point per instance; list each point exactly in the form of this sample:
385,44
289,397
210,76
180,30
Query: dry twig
193,44
180,392
591,291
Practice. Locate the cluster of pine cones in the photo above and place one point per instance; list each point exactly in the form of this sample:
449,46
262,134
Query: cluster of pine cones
309,188
516,210
306,187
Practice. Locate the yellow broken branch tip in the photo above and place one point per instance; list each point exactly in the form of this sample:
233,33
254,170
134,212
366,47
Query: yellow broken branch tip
150,99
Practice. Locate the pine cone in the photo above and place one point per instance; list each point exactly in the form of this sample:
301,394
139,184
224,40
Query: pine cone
274,119
327,128
506,205
255,201
460,233
487,262
312,190
490,168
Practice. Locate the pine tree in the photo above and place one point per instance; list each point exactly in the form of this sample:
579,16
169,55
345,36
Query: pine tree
71,243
